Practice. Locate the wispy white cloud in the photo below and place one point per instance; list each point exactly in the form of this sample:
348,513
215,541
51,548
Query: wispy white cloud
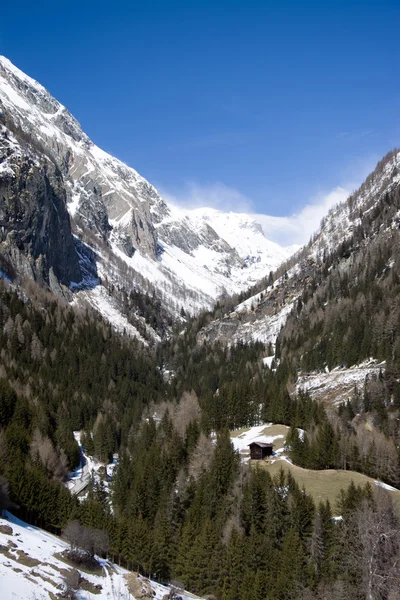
298,227
213,195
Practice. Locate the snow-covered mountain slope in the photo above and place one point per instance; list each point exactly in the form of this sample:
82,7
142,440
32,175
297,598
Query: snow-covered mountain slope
33,567
246,236
336,386
261,316
342,220
187,258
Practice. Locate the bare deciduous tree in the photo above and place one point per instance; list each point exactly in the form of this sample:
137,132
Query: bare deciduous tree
201,457
86,540
54,462
373,547
186,412
72,534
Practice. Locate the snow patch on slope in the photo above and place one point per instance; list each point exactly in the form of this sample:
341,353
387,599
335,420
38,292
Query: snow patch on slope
337,386
101,301
254,434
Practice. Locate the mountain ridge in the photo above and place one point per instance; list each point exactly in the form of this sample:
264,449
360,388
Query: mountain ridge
176,254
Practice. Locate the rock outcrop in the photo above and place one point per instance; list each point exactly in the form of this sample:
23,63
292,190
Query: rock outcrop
35,228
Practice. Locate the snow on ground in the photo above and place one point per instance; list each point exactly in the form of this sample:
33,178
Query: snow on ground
242,232
268,360
386,486
199,287
29,569
337,385
6,170
193,270
105,305
265,329
253,301
259,433
340,222
89,468
194,277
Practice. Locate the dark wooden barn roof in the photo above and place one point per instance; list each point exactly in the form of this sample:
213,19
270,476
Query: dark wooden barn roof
261,444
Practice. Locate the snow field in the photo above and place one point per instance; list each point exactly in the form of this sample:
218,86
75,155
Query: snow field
337,386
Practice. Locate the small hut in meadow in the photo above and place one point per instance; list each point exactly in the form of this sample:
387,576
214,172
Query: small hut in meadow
259,450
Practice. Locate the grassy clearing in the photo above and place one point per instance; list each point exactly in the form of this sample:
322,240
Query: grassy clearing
321,485
47,579
88,586
19,556
268,430
326,484
26,560
274,430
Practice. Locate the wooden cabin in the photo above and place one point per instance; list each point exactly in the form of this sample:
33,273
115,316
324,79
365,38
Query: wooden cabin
259,450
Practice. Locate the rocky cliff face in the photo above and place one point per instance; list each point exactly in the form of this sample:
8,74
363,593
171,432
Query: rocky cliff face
35,229
99,187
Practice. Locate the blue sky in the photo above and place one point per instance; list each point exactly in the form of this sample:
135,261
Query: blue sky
263,106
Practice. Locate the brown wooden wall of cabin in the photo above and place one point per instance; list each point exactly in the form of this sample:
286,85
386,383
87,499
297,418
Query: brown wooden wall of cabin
256,453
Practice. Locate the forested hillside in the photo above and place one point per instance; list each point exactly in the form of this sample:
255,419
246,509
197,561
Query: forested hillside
350,309
183,507
62,371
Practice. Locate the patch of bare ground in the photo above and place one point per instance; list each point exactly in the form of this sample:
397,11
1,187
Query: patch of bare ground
5,550
87,586
26,560
63,572
6,529
91,567
58,586
139,588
